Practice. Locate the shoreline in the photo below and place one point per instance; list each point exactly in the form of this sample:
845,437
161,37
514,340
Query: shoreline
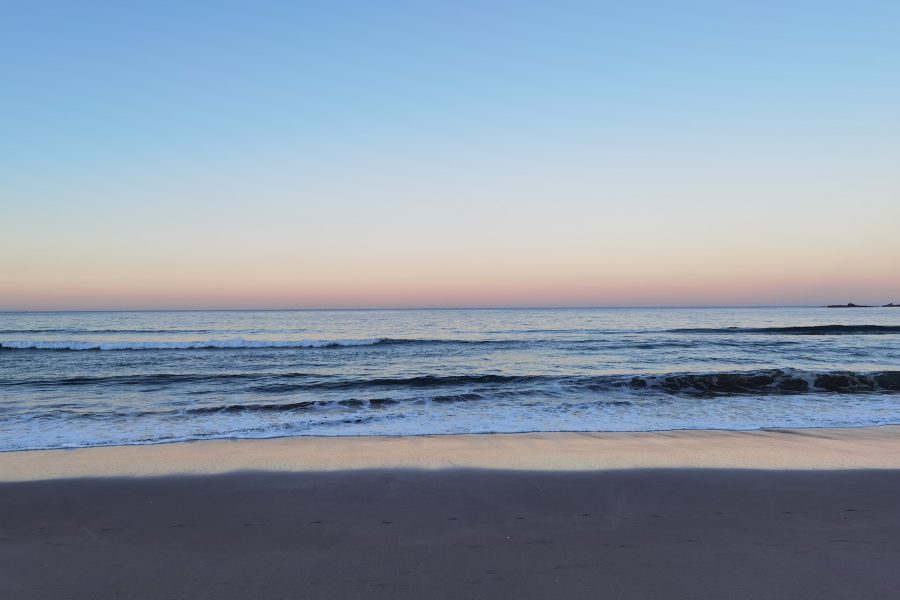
876,447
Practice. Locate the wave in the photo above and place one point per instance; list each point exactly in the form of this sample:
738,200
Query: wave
239,343
746,382
767,382
453,388
243,344
786,381
575,330
76,331
800,330
157,379
236,343
292,406
233,408
276,382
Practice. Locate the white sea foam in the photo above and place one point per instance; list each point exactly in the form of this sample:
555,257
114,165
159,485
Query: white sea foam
180,345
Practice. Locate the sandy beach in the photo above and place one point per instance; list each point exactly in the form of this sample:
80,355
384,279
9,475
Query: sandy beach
777,514
795,449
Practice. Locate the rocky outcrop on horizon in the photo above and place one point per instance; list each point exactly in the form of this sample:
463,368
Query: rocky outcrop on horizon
851,305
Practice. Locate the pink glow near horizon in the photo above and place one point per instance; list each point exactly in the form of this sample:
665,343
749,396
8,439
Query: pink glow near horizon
777,289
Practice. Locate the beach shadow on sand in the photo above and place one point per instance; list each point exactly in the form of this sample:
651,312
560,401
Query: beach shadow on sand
629,534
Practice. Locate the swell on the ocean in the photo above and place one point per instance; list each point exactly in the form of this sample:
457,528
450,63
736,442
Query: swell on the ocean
235,343
799,330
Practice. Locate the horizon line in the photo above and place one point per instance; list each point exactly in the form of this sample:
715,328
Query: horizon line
421,308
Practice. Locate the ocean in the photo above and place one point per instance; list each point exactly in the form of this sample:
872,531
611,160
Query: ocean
75,379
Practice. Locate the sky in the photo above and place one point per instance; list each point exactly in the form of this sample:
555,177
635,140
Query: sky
439,153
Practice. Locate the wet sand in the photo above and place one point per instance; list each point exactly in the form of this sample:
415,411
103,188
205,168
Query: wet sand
627,534
857,448
760,515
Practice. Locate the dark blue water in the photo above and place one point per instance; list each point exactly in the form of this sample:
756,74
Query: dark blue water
79,379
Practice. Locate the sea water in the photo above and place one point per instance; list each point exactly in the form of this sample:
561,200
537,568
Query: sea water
73,379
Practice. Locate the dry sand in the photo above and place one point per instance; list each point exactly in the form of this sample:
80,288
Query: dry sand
454,534
812,514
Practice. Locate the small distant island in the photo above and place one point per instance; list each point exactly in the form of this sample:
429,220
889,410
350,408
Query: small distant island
851,305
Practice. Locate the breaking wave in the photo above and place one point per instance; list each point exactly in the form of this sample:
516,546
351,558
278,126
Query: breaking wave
785,381
443,388
778,381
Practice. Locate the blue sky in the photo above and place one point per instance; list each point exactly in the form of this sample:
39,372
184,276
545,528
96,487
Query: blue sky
362,153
